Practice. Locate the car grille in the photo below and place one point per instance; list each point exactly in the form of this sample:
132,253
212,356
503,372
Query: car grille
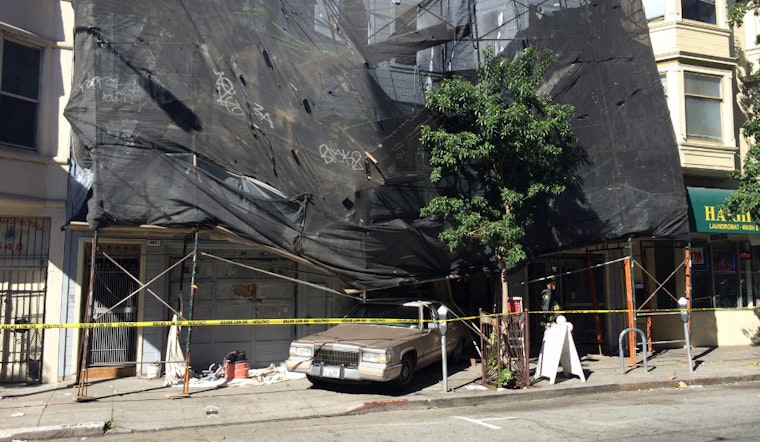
328,356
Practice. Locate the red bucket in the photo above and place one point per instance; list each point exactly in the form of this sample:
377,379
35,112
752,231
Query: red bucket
241,369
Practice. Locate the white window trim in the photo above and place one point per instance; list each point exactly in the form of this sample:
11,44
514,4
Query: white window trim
727,140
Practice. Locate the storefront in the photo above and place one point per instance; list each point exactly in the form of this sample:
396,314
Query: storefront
725,260
724,252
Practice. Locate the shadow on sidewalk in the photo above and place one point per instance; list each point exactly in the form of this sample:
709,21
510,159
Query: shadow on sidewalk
424,378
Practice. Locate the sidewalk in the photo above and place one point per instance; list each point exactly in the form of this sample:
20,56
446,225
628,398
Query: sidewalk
139,404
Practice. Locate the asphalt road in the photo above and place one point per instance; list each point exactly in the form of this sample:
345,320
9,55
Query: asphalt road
691,414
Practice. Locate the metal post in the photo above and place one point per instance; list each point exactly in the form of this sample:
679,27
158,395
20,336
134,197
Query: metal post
595,305
631,331
687,283
85,356
631,320
190,315
442,326
444,364
683,303
688,346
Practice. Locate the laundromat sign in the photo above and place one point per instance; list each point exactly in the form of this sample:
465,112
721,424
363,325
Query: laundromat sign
706,215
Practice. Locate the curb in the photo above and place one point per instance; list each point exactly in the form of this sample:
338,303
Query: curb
445,401
54,431
528,395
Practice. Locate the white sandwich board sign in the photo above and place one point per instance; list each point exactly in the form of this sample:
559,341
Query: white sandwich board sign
558,349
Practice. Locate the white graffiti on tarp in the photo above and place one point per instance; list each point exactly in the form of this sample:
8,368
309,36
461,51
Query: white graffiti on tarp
112,91
226,97
352,159
258,110
226,92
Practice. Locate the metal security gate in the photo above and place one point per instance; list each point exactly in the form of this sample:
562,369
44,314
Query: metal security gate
24,246
111,303
580,287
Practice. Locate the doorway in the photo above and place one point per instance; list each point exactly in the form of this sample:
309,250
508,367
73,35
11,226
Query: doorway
24,247
111,302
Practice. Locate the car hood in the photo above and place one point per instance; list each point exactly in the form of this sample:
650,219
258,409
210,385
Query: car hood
380,336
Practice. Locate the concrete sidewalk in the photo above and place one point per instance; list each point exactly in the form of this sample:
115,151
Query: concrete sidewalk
139,404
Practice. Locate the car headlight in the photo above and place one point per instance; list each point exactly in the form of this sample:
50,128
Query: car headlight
376,357
301,350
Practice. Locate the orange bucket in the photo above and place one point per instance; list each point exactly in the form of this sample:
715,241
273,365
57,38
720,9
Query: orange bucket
229,370
241,369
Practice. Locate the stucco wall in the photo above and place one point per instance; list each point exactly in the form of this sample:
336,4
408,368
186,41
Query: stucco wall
712,328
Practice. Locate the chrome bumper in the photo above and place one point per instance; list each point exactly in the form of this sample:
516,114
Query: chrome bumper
364,372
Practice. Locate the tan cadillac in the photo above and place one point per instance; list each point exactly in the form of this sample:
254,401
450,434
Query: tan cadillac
382,352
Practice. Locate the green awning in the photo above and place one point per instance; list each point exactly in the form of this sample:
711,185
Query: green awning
705,214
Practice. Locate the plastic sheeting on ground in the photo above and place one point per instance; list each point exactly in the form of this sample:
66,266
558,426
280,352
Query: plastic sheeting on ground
174,370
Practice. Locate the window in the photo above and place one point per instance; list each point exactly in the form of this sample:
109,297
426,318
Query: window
19,94
664,84
722,274
703,107
654,8
699,10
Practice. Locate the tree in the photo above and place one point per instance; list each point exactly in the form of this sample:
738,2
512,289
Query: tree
746,198
498,150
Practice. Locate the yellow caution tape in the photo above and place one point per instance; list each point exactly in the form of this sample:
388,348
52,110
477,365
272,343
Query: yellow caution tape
210,322
317,321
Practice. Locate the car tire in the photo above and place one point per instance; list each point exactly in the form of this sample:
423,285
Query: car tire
315,381
406,377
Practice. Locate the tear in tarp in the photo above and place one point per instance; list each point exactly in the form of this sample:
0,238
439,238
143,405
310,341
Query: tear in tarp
295,124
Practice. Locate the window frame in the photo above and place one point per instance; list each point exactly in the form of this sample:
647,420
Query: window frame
35,101
715,12
656,9
719,99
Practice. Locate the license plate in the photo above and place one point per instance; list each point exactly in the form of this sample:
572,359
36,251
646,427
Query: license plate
331,372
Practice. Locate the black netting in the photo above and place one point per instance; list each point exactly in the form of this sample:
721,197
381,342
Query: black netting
303,117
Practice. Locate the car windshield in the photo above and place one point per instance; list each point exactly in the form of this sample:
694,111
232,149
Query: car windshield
387,311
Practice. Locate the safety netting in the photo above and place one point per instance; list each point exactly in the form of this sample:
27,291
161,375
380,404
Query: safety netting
295,124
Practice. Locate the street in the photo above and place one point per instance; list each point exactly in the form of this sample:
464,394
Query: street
727,412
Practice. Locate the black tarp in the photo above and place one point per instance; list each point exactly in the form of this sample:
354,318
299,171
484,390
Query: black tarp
295,124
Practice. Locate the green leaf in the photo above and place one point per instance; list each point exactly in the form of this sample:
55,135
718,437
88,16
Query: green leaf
503,147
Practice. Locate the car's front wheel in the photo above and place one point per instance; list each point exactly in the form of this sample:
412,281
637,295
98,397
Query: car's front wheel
315,381
406,377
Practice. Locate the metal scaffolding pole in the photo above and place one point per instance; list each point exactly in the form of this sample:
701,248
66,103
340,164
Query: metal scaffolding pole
631,301
82,392
186,389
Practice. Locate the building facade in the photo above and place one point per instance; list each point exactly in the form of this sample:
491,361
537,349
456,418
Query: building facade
703,65
35,74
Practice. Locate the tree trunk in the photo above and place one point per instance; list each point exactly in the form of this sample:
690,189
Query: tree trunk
504,285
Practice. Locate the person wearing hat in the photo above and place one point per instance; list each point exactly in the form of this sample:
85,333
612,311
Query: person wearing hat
549,302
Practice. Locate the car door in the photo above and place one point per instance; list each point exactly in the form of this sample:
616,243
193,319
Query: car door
429,344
